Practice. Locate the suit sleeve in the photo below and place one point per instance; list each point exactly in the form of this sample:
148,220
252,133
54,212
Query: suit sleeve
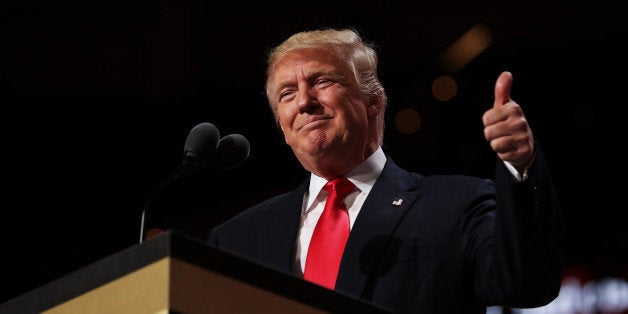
516,244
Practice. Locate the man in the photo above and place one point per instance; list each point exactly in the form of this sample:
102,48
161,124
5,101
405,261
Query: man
417,244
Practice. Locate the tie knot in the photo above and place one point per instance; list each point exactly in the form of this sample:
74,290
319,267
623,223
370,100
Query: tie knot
341,186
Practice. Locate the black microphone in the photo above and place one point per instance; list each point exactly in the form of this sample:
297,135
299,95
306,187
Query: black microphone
233,150
200,144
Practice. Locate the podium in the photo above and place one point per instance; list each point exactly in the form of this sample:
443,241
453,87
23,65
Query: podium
175,273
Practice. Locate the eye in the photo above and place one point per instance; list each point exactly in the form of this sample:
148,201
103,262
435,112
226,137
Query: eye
323,82
286,95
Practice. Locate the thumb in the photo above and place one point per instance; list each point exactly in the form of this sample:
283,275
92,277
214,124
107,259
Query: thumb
502,89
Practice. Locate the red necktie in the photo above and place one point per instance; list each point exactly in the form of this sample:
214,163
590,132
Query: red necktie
330,236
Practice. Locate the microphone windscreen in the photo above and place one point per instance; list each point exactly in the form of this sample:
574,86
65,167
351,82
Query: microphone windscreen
202,141
233,150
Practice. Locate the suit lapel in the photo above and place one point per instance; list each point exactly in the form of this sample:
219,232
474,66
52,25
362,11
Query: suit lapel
278,230
393,193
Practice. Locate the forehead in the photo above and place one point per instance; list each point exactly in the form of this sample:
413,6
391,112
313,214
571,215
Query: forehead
308,60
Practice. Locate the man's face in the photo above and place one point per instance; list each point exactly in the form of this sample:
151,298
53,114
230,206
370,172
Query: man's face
320,109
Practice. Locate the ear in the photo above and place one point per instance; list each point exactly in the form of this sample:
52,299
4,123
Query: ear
374,106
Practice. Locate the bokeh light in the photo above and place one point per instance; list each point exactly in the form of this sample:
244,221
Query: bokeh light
444,88
407,120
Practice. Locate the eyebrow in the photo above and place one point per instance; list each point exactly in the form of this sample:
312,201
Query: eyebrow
314,74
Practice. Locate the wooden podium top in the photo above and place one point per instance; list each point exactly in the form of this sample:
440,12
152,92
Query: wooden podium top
175,273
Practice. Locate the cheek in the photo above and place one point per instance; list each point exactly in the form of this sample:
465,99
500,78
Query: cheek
286,138
285,114
286,118
358,113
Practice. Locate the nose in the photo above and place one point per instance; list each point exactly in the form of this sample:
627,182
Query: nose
306,100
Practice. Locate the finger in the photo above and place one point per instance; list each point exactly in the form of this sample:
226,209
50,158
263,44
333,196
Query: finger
505,148
502,89
493,131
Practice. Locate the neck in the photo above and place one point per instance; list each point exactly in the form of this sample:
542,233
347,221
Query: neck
330,167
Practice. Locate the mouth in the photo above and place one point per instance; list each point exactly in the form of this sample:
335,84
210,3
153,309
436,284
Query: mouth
313,122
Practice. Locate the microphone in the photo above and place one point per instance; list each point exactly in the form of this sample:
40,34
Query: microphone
201,143
233,150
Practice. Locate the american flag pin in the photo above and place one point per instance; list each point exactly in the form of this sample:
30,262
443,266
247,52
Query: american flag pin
397,202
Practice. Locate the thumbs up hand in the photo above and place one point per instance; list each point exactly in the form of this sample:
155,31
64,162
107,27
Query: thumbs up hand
506,127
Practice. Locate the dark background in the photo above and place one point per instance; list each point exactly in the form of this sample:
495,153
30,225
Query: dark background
97,98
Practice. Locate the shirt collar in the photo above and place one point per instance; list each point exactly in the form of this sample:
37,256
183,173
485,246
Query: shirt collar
363,176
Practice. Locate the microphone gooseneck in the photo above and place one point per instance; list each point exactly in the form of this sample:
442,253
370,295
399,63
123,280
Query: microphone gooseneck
201,142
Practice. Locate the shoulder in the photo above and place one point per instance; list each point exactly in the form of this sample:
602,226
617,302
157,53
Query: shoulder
277,204
437,182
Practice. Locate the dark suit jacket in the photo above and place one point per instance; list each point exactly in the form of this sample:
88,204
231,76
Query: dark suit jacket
448,248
